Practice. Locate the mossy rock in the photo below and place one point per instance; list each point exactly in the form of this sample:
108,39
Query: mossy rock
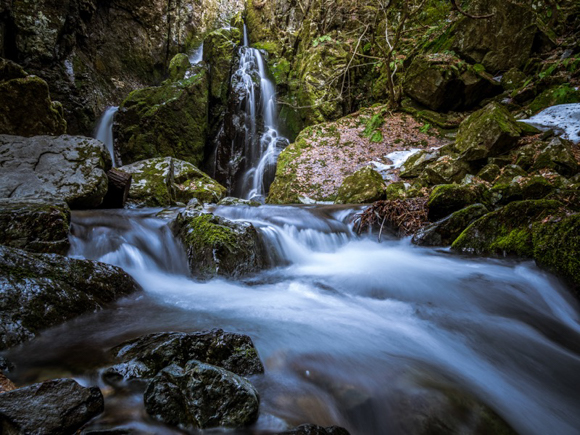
445,231
416,163
489,172
168,120
220,51
445,170
513,79
563,94
507,231
217,246
396,190
178,67
364,186
448,198
557,155
488,132
231,201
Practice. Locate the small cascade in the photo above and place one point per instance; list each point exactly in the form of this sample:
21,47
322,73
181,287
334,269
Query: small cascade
104,131
197,56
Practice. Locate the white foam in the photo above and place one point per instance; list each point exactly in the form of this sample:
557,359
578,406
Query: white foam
563,118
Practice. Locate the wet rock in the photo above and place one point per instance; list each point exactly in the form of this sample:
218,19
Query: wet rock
167,120
364,186
65,168
178,67
447,198
445,170
59,406
219,49
230,201
35,225
145,356
26,108
442,82
218,246
445,231
312,429
557,155
488,132
164,181
416,163
201,396
44,290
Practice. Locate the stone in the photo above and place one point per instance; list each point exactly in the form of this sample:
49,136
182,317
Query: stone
445,170
218,246
145,356
445,231
364,186
489,132
164,181
201,396
44,290
448,198
489,172
6,384
562,94
178,67
513,79
416,163
66,168
35,225
59,406
230,201
312,429
557,155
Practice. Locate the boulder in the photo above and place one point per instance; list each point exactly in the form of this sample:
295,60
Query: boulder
167,120
447,198
178,67
364,186
65,168
144,357
513,79
416,163
44,290
201,396
218,246
562,94
164,181
35,225
59,406
443,82
557,155
312,429
488,132
489,172
445,170
445,231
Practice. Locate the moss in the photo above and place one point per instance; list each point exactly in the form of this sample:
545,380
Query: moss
178,66
447,198
563,94
364,186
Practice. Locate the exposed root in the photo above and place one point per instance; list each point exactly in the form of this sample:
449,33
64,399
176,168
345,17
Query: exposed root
406,216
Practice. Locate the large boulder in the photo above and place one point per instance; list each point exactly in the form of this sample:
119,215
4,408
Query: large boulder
218,246
445,170
488,132
66,168
201,396
364,186
144,357
35,225
26,108
447,198
59,406
164,181
442,82
44,290
167,120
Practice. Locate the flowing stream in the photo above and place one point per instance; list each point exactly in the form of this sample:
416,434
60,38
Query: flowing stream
352,332
104,131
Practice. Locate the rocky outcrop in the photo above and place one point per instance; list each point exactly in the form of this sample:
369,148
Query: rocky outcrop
35,225
65,168
55,407
364,186
26,108
42,290
165,181
217,246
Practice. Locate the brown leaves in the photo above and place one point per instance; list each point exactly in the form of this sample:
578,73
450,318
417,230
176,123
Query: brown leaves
406,216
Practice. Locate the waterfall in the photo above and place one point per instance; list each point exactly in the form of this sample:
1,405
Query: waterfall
197,56
104,131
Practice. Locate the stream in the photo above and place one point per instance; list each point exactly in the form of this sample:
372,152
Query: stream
351,331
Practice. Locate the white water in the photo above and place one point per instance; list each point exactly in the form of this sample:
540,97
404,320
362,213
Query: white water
352,332
104,131
197,55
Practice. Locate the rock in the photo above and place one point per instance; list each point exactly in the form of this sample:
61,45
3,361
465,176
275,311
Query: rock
507,231
563,94
445,170
312,429
447,198
6,384
557,155
416,163
219,50
67,168
489,172
144,357
201,396
442,82
164,181
59,406
178,67
364,186
488,132
445,231
35,225
26,108
513,79
230,201
217,246
168,120
44,290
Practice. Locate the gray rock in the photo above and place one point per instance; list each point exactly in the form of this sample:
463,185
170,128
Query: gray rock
43,290
58,407
312,429
68,168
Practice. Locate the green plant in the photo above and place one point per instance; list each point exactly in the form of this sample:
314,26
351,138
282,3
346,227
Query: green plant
425,128
321,40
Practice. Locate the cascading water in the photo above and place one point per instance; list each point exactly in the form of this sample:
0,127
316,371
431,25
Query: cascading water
197,56
104,131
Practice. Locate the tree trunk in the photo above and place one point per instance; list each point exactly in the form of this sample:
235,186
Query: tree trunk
119,185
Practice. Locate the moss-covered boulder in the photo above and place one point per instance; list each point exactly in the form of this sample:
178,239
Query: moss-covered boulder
168,120
562,94
364,186
165,181
557,155
217,246
447,198
489,172
178,67
443,82
26,108
35,225
219,50
44,290
445,231
445,170
507,231
513,79
488,132
416,163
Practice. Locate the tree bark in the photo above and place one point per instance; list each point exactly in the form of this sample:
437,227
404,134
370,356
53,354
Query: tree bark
118,192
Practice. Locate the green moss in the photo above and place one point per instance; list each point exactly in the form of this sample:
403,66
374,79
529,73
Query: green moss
178,66
364,186
563,94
